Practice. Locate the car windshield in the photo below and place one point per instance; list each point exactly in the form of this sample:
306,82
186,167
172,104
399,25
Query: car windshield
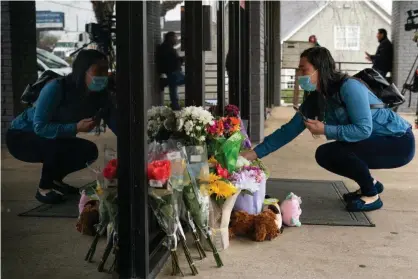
50,60
65,44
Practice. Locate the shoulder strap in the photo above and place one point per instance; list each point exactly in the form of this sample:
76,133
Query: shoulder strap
372,106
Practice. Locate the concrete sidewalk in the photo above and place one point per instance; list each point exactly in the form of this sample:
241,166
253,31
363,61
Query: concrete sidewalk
43,248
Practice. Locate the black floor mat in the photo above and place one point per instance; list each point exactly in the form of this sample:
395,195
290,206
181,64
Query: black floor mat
68,209
322,202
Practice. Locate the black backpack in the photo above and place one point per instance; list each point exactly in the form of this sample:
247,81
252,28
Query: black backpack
32,91
387,93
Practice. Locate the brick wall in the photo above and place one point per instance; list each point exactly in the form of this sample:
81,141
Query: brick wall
18,55
405,50
256,70
6,69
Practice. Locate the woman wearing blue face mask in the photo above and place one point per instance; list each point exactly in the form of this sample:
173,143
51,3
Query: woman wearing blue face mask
364,138
47,132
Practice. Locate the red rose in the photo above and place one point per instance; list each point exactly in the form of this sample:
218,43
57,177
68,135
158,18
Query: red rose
222,172
159,170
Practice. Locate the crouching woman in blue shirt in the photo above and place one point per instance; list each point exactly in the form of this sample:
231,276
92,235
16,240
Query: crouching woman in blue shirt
47,132
364,138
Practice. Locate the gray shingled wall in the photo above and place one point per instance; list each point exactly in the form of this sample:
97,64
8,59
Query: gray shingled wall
257,70
154,39
405,50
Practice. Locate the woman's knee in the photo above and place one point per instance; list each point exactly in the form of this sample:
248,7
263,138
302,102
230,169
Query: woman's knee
323,155
91,151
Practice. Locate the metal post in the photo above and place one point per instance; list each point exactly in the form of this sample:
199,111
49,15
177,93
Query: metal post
235,53
194,55
133,256
277,54
220,57
245,55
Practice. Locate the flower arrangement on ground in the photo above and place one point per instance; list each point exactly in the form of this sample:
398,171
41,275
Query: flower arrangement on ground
252,182
195,196
192,123
222,199
164,203
161,123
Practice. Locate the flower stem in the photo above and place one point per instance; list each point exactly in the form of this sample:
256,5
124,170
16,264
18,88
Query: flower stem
188,256
196,237
216,255
175,264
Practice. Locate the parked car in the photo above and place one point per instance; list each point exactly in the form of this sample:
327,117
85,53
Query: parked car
48,61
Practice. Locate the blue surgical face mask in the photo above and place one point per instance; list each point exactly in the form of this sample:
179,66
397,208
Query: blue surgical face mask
306,84
98,83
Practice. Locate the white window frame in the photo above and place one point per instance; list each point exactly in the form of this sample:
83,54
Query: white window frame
337,36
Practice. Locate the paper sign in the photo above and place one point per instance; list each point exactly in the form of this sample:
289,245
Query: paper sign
195,158
155,184
173,156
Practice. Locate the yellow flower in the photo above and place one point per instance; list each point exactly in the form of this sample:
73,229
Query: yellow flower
213,178
212,160
222,189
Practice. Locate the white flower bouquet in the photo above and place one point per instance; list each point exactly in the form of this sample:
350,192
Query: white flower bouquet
192,123
161,123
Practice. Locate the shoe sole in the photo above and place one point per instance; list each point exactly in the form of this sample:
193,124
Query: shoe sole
365,209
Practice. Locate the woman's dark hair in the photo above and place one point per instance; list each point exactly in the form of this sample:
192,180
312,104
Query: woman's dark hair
329,78
83,61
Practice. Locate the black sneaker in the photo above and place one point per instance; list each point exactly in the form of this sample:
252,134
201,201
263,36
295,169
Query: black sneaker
357,194
51,197
65,188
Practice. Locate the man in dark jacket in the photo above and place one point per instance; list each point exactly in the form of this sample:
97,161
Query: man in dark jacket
382,60
169,63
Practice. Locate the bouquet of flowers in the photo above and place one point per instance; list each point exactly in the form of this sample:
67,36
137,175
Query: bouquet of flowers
106,192
222,199
231,125
108,175
195,196
227,151
252,182
191,124
161,123
233,111
164,204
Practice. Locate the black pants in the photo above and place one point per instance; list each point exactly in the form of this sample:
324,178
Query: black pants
354,160
59,157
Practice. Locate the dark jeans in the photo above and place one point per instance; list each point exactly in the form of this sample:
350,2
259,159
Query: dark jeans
354,160
174,80
59,157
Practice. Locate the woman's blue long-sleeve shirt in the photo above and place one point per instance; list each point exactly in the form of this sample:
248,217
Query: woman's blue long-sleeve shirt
353,122
58,110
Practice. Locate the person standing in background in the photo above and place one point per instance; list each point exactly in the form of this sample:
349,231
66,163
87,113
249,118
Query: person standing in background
314,40
169,63
382,60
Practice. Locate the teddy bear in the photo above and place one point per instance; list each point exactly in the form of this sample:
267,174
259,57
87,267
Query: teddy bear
259,227
291,210
274,205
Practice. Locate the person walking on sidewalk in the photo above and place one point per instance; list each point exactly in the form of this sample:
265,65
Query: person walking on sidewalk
382,60
47,132
363,138
169,63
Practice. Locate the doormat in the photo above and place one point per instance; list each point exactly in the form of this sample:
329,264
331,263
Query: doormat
322,201
68,209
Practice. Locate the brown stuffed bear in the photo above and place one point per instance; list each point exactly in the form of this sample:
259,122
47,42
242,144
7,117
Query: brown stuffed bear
259,227
88,218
